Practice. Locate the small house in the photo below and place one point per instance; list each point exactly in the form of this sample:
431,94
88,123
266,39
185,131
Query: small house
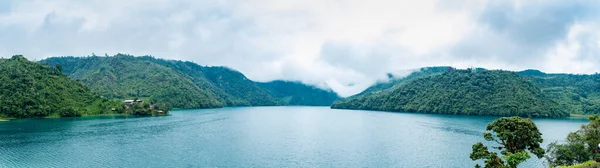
129,102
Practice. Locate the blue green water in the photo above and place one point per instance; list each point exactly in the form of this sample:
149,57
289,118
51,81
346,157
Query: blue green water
255,137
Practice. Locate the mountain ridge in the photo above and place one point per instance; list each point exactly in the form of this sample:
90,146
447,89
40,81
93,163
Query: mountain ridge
213,86
468,92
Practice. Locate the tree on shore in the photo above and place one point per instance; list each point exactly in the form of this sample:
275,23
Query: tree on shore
516,138
579,147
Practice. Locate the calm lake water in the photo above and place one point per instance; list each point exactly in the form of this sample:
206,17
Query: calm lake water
255,137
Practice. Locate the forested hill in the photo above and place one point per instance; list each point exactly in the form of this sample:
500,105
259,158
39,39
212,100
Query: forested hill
127,77
466,92
230,87
234,89
296,93
180,83
30,89
393,80
577,94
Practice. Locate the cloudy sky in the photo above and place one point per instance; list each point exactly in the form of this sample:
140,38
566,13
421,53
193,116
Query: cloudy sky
346,44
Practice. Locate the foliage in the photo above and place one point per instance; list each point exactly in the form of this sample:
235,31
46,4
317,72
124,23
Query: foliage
236,84
492,160
230,87
577,94
178,83
148,109
588,164
579,146
195,73
30,89
296,93
516,137
125,77
466,92
393,80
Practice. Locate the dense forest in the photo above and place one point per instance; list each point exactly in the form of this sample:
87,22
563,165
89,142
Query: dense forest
443,89
30,89
393,80
466,92
296,93
182,84
577,94
127,77
230,87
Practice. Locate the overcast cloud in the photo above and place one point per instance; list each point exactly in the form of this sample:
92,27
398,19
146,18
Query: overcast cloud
345,44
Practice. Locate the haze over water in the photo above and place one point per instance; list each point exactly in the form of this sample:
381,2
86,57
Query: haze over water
255,137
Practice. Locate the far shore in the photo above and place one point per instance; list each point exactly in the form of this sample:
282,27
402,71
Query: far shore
57,116
575,116
2,119
580,116
115,114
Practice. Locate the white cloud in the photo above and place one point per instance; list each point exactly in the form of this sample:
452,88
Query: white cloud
348,44
578,53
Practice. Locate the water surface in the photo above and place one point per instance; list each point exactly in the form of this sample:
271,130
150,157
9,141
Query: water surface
255,137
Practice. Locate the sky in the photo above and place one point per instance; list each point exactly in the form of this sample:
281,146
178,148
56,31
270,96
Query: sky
346,45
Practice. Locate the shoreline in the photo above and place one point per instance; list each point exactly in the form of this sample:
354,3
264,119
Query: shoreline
580,116
106,115
55,117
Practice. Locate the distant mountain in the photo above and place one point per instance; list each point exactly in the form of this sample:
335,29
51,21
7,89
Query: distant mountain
577,94
181,84
465,92
30,89
296,93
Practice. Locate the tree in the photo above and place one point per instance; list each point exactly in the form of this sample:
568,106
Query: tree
579,146
516,138
58,67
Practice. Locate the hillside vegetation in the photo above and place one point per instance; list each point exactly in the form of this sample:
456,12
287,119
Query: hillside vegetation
296,93
127,77
577,94
393,80
465,92
181,84
30,89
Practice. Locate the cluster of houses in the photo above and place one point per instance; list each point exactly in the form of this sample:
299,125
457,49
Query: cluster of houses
128,103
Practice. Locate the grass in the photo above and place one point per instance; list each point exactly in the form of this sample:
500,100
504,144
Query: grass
588,164
3,118
580,116
54,115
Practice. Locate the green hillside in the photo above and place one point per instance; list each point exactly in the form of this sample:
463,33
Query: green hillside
30,89
577,94
128,77
393,80
230,86
465,92
195,73
296,93
236,84
181,84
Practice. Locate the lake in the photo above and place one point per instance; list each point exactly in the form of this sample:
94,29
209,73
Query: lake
255,137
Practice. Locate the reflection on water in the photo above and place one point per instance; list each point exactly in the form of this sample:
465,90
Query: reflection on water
255,137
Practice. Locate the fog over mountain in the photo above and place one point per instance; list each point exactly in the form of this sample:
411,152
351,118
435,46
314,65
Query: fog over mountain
346,45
